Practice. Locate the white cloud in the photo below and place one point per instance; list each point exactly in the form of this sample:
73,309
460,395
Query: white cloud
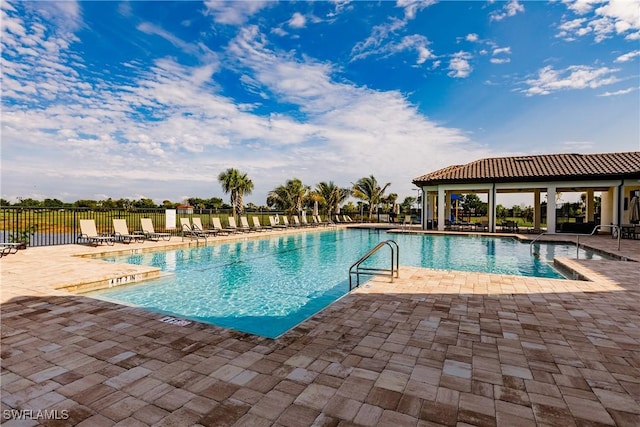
297,21
472,37
459,65
502,50
573,77
510,9
233,12
605,19
411,7
619,92
376,46
500,60
628,56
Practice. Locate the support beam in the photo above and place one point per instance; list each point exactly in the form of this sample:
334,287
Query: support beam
551,209
441,210
491,209
537,212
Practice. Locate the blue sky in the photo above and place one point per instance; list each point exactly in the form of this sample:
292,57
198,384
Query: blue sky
154,99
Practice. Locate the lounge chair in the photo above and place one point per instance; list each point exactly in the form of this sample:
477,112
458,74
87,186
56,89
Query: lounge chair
89,235
121,232
407,221
217,226
244,224
188,230
197,226
285,221
296,221
272,222
304,221
9,248
346,218
233,227
257,226
149,232
337,219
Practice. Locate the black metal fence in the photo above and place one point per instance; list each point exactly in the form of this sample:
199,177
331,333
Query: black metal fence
61,226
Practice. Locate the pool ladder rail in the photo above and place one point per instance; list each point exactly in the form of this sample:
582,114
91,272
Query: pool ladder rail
395,264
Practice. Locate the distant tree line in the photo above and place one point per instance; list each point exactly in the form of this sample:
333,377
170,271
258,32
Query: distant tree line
292,197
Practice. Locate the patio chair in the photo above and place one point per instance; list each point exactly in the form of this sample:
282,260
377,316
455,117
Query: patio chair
121,232
188,230
233,227
273,224
9,248
89,234
197,226
149,232
305,223
257,226
217,226
244,225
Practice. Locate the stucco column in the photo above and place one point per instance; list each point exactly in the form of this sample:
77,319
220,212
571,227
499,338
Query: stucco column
447,209
551,209
491,209
441,210
590,205
537,212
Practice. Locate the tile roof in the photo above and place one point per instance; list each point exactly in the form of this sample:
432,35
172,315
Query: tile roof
538,168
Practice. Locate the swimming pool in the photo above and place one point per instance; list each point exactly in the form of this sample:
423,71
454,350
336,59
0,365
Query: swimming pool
267,286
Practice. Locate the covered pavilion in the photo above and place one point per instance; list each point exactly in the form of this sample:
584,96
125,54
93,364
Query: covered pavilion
615,175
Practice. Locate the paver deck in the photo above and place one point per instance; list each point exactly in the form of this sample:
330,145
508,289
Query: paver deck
433,348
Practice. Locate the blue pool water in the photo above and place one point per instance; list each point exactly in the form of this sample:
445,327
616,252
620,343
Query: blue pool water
267,286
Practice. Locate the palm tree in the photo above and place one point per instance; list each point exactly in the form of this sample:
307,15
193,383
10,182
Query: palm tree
332,195
289,197
369,190
238,184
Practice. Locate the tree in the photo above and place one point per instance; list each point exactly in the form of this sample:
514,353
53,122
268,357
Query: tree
407,204
332,195
52,203
289,197
4,202
237,184
368,190
472,203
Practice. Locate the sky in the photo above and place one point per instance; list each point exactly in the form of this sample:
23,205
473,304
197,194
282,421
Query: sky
153,99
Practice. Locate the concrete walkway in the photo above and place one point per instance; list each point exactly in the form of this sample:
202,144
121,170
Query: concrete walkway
433,348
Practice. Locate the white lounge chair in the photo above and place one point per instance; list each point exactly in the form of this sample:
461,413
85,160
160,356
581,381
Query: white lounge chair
217,226
121,232
257,226
272,222
149,232
244,224
189,230
89,234
197,226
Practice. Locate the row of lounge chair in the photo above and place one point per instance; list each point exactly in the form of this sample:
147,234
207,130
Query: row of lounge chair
191,228
90,235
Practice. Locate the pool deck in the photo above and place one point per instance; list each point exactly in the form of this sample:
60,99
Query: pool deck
432,348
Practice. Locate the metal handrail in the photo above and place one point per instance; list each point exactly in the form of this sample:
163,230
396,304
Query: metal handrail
395,267
596,228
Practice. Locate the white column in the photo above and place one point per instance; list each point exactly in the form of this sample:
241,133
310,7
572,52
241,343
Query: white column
551,209
537,213
441,210
491,209
616,206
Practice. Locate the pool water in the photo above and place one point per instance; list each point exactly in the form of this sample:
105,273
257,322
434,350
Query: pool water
267,286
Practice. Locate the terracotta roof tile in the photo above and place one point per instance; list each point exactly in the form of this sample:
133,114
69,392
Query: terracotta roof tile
540,167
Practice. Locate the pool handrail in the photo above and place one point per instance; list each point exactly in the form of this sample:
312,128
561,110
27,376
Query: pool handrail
395,264
596,228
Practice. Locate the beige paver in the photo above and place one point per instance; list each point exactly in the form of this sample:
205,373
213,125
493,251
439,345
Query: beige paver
432,348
